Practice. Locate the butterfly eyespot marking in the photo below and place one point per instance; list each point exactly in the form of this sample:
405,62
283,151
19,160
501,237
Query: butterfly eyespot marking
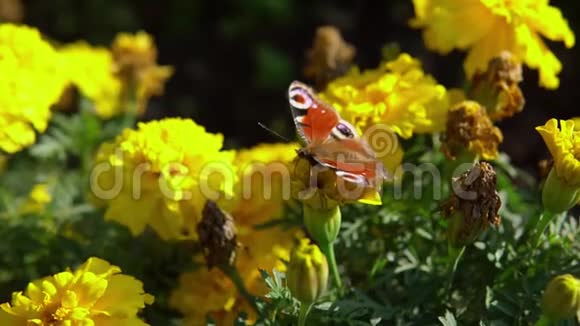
299,99
343,130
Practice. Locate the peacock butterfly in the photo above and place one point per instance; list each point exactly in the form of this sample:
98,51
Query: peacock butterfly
331,141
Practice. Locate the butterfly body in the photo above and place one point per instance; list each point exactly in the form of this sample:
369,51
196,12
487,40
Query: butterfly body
331,141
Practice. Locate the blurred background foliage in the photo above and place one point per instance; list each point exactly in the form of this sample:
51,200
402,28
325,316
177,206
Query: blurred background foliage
234,59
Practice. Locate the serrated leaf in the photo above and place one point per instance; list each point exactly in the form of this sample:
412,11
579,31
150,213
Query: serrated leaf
448,319
268,279
278,277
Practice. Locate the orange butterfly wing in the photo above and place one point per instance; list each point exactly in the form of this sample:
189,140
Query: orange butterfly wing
352,158
314,119
331,141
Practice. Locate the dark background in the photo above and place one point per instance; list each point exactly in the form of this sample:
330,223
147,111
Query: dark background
234,59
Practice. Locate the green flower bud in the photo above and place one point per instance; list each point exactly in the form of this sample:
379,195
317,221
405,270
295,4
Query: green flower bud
561,298
307,274
323,224
557,195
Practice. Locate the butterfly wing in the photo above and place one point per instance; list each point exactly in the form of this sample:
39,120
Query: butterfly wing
353,159
314,119
331,141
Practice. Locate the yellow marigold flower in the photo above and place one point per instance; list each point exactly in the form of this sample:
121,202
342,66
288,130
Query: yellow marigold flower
91,70
564,145
264,249
161,175
576,123
94,294
206,292
398,93
562,186
485,28
264,182
135,58
265,153
210,293
38,199
30,82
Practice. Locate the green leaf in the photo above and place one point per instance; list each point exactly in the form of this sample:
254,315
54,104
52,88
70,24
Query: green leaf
448,319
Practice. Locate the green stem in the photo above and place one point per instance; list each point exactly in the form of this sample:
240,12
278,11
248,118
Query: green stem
456,254
530,228
234,276
543,321
132,106
328,250
304,310
11,212
541,227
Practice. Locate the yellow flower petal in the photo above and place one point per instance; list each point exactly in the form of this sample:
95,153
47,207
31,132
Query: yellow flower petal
397,94
94,294
163,181
30,83
91,70
485,28
564,145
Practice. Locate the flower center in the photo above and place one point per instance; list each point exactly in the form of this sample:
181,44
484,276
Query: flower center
54,315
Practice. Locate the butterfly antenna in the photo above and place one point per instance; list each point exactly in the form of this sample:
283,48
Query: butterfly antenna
273,132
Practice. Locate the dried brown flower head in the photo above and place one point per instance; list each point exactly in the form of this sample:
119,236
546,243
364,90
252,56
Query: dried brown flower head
497,88
11,11
473,205
470,128
217,236
329,57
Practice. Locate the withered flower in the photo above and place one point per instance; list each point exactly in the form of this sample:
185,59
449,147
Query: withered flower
217,236
136,66
469,128
319,187
11,11
329,58
497,88
474,204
